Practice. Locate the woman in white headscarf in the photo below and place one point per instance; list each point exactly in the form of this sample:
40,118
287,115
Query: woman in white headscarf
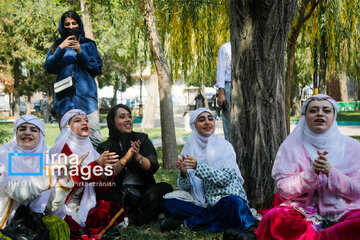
317,171
83,213
209,172
23,180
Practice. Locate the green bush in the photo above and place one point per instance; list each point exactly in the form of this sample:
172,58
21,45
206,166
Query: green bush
5,136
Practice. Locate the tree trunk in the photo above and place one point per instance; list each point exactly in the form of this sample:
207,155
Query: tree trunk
356,95
168,137
16,74
343,87
148,120
11,101
115,90
28,105
204,95
259,33
86,19
295,100
291,49
89,33
323,50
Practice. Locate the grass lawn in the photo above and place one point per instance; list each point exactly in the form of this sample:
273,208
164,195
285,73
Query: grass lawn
152,231
52,131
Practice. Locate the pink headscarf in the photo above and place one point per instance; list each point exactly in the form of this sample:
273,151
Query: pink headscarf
340,156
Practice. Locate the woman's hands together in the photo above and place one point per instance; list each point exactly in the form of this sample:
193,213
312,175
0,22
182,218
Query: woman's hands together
186,162
321,164
133,150
135,146
72,43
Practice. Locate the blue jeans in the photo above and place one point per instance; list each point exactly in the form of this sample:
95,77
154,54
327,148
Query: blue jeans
217,112
228,212
226,111
95,135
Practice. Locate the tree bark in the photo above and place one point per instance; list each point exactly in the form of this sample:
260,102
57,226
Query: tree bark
295,100
259,31
89,33
86,19
169,146
151,104
323,51
343,87
115,90
16,74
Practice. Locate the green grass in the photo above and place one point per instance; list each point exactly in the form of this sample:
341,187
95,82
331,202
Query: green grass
349,116
52,131
152,231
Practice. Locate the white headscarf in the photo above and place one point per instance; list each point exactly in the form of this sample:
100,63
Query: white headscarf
78,145
215,151
331,140
27,164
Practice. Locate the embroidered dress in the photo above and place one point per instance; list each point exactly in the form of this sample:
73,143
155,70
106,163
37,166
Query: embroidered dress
315,201
42,193
215,185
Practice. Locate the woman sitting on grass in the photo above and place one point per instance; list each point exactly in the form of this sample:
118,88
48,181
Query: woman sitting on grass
317,171
208,171
23,181
135,188
83,213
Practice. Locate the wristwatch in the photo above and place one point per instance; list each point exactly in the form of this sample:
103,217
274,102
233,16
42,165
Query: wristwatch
141,160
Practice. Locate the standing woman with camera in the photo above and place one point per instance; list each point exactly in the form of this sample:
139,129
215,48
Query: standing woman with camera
76,61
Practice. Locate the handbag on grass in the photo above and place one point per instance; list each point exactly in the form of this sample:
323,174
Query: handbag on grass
64,86
26,225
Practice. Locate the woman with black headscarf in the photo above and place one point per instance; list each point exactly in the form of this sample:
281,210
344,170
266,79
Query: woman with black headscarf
135,188
75,57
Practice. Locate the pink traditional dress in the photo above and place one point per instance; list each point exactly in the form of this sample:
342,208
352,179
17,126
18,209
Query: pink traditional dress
316,206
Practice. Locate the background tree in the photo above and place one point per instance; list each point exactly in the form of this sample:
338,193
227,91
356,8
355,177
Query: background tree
259,31
192,32
305,9
26,30
163,71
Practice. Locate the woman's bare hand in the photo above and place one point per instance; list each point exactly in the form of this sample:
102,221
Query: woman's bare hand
108,158
190,162
321,164
67,42
180,165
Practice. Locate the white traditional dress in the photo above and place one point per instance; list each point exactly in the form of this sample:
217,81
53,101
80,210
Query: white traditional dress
23,183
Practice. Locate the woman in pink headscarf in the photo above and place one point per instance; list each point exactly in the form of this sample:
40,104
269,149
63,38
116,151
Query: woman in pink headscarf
317,171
